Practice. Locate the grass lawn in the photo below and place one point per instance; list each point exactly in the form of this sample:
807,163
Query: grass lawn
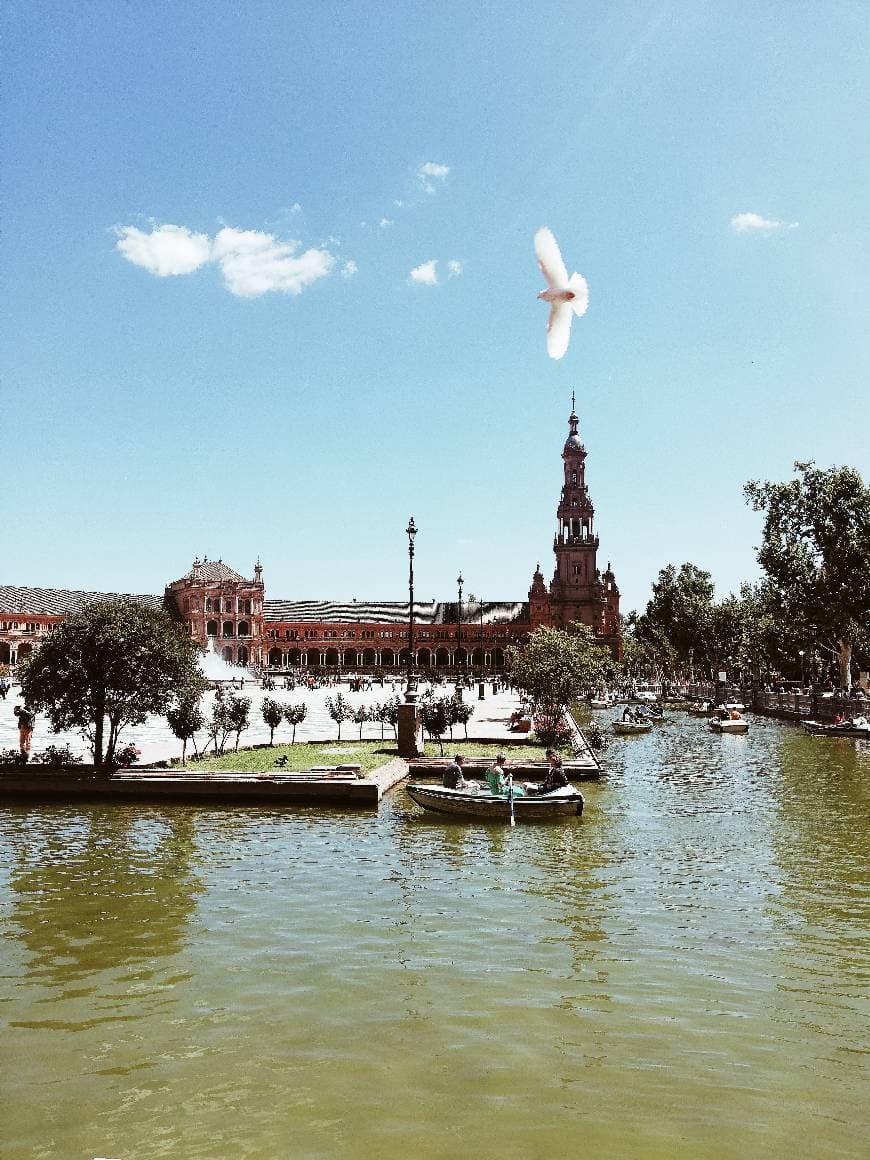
367,754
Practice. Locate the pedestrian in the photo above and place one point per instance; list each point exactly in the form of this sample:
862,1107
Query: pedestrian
26,720
4,688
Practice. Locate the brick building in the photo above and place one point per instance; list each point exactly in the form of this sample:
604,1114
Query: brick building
230,614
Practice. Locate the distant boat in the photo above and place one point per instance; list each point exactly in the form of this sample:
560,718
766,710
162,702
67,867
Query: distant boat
630,728
560,803
599,703
728,725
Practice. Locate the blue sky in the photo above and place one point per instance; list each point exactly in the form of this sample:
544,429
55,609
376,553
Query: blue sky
297,394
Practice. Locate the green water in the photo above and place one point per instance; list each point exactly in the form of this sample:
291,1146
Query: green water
683,972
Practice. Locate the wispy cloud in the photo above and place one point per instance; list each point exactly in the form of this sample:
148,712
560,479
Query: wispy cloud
454,268
754,223
349,268
426,274
167,251
253,263
385,223
430,173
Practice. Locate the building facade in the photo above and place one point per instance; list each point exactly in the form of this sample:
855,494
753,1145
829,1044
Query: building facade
229,614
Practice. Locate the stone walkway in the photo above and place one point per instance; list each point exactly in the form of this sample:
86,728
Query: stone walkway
157,743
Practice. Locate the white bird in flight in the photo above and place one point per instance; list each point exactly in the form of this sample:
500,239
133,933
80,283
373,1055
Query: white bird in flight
566,295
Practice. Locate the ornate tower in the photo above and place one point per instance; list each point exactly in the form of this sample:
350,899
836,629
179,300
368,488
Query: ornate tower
578,591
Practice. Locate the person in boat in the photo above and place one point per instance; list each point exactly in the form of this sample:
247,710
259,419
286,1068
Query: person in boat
454,778
627,714
734,715
499,780
839,719
555,778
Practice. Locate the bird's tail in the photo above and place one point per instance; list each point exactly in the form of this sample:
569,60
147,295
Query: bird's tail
580,301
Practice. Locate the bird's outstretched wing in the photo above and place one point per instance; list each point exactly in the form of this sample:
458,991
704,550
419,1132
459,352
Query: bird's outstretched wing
559,329
580,301
550,260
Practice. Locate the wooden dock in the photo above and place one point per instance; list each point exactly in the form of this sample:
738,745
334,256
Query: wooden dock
338,785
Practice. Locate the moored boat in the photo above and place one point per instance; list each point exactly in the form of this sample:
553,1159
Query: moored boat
844,729
560,803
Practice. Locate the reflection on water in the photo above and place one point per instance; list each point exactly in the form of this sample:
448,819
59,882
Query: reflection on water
677,974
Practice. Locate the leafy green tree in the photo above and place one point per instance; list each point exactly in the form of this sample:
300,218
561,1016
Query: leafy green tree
814,551
678,620
555,668
339,709
238,715
109,666
436,713
390,710
462,714
185,718
219,724
273,715
360,716
295,715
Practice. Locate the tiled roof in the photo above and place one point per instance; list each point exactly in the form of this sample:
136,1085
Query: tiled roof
393,612
211,571
59,601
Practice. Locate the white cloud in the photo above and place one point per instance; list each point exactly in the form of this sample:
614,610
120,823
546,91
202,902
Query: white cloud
426,274
168,250
349,268
385,223
430,172
454,268
255,263
748,223
295,207
398,203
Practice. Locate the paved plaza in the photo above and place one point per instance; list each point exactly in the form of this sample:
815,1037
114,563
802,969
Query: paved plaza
157,743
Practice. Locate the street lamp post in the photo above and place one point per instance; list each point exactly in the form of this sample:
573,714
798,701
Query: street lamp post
411,690
480,687
814,632
801,655
459,582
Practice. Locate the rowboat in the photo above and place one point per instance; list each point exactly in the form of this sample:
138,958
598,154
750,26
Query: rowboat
630,728
847,729
729,725
560,803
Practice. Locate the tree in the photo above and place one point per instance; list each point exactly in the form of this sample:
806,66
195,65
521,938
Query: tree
555,668
436,712
238,711
220,725
390,709
108,667
339,710
360,716
462,713
295,715
815,550
184,719
273,715
678,619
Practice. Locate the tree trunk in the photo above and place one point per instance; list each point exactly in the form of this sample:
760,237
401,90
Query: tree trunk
99,726
844,659
184,751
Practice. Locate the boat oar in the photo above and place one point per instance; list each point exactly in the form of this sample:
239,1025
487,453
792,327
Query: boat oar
511,797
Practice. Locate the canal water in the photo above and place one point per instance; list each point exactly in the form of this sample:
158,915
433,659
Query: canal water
682,973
